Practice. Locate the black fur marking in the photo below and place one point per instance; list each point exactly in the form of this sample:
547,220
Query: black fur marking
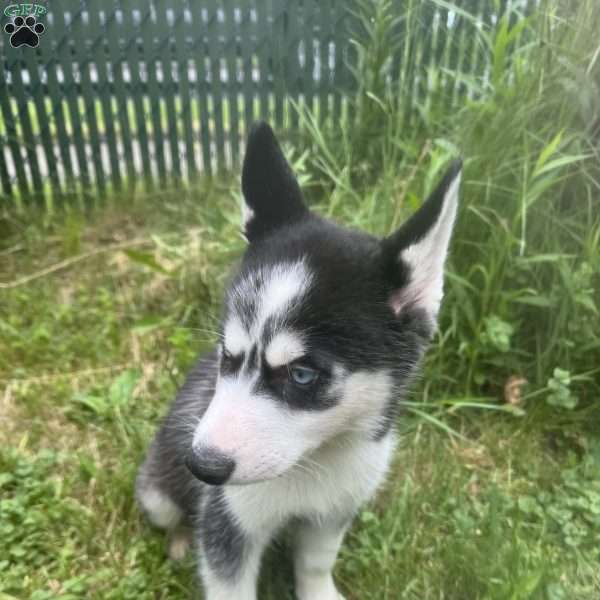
164,467
223,542
231,363
252,360
277,384
416,332
268,184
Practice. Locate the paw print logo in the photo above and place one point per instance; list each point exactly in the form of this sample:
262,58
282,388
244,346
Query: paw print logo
24,32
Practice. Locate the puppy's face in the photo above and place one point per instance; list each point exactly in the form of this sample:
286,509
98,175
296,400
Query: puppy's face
323,327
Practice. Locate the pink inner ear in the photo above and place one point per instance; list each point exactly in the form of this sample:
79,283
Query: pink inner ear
426,258
402,299
424,291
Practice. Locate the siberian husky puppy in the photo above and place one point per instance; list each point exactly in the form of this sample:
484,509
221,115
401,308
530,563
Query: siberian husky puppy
291,418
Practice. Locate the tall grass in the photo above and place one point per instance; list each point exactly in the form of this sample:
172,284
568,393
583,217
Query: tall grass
523,283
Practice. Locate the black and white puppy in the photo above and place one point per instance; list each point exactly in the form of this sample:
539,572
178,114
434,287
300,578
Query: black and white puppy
291,418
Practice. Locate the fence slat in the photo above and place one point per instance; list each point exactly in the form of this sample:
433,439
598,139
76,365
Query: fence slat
213,26
262,51
83,62
280,23
12,139
292,61
49,59
324,71
163,40
230,31
26,125
309,14
43,124
339,28
185,115
99,63
248,27
71,93
137,89
116,58
199,53
151,64
4,175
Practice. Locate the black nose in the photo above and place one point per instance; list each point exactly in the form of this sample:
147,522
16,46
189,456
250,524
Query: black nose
209,465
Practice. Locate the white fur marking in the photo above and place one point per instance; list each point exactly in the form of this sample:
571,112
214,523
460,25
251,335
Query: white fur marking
162,511
179,545
276,290
247,214
283,284
236,337
284,348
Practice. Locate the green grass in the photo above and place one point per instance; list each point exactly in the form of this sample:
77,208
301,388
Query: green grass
92,355
493,496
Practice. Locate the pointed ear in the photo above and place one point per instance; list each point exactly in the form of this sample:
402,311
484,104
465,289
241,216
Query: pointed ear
271,194
416,253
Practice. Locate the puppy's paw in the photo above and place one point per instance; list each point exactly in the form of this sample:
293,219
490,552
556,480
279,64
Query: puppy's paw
317,588
179,543
326,595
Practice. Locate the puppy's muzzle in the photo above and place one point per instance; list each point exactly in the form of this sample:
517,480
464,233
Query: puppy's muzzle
209,465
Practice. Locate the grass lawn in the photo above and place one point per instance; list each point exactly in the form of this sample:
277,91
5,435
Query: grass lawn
495,490
499,507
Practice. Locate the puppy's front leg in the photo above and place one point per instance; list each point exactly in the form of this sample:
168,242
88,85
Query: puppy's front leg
316,549
229,557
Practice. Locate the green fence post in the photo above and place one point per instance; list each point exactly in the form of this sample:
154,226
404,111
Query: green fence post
83,59
248,57
150,61
230,49
49,55
278,45
37,94
197,31
163,36
137,88
12,138
216,92
309,8
16,70
99,62
71,93
116,55
263,41
4,176
293,69
340,38
182,53
324,20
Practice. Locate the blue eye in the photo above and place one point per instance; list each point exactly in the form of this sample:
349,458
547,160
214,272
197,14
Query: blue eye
303,375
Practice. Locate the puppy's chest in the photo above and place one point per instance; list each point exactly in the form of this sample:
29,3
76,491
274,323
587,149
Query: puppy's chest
331,486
